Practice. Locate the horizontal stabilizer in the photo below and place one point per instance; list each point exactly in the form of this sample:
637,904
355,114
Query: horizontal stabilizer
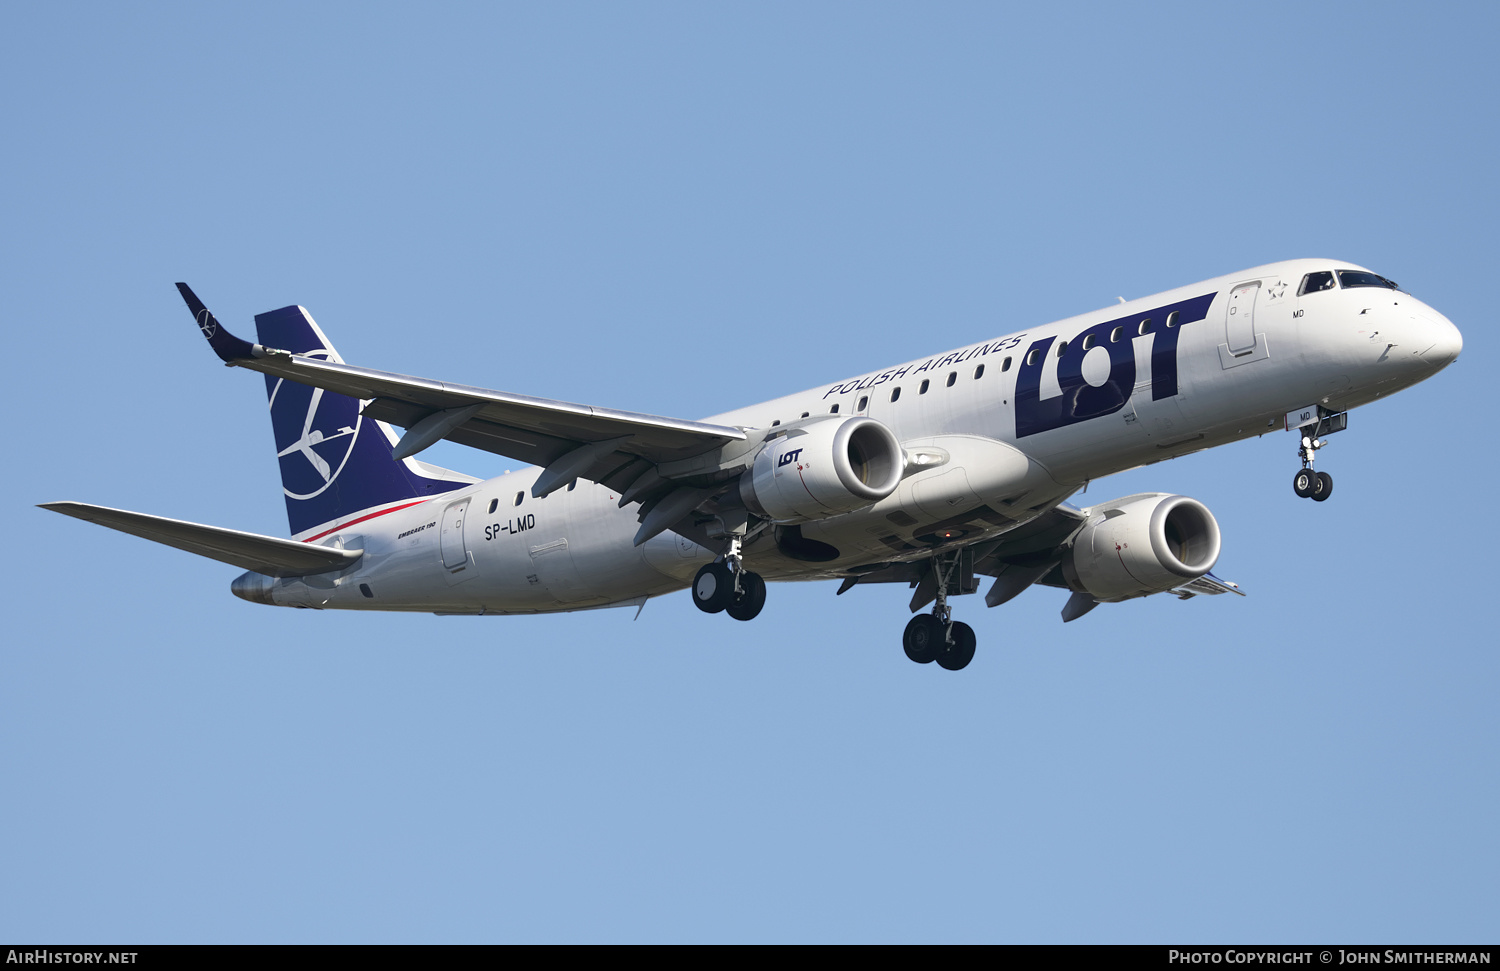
269,555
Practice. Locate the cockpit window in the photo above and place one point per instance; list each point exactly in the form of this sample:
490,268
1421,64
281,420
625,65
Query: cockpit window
1313,282
1348,279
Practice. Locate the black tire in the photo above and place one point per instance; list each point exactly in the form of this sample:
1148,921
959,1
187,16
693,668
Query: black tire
713,587
961,651
1325,487
1304,482
752,598
923,638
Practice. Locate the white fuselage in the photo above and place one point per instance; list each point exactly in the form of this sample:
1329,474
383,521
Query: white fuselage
1009,426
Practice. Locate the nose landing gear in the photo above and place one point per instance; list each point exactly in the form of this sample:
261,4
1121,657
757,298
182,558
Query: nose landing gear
1308,483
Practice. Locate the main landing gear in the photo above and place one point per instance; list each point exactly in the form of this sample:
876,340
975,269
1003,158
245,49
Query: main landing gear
937,636
725,585
932,637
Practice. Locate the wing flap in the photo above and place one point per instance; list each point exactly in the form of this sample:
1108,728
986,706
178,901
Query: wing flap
1207,585
269,555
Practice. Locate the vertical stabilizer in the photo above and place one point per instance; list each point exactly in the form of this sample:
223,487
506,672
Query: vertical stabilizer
336,465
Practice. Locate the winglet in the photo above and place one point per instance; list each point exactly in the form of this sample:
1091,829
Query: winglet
229,347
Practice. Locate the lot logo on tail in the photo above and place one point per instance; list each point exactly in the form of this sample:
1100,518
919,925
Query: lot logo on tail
335,465
315,434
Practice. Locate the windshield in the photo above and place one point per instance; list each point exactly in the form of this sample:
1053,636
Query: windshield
1313,282
1349,279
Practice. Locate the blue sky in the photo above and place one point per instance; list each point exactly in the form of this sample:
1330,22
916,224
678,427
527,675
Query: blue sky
681,209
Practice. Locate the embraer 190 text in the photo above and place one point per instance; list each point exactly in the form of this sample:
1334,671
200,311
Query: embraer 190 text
931,473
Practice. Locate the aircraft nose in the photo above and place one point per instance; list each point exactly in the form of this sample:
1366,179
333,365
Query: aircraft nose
1447,342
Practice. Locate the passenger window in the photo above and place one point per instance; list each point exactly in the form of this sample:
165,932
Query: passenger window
952,377
1063,346
1145,327
1116,334
979,372
1033,356
519,497
834,410
863,401
493,503
1171,320
923,388
572,485
895,393
1005,364
1314,282
1088,342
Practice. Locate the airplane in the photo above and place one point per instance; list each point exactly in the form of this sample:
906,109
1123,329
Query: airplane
932,473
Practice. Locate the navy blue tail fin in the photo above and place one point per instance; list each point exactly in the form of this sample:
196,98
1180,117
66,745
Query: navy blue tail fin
336,465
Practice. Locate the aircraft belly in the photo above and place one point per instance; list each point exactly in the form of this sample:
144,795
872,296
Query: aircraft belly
582,552
571,550
673,556
567,540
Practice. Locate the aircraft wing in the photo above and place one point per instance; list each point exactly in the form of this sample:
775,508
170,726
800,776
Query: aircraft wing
616,448
249,551
1029,554
534,430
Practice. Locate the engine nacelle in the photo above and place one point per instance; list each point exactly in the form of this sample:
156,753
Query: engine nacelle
822,469
1141,545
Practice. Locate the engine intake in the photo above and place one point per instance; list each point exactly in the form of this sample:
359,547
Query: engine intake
1142,545
823,469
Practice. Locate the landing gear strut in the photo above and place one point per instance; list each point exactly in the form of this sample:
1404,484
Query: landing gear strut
937,636
1307,483
725,585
